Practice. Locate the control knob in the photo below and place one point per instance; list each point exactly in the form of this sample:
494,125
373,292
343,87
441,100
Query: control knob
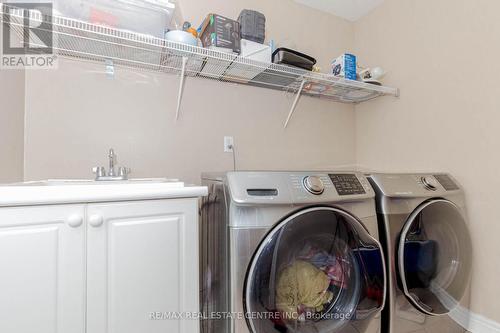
314,185
429,183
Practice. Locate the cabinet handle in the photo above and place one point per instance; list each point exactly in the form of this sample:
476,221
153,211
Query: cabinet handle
74,220
96,220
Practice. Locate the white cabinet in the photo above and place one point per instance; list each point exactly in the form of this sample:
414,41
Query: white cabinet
99,268
42,269
142,259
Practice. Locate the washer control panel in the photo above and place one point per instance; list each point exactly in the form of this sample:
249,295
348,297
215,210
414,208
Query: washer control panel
297,187
347,184
328,187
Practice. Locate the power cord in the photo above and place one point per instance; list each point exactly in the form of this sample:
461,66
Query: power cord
233,151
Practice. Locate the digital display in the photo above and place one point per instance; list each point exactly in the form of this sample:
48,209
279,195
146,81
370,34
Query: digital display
446,182
347,184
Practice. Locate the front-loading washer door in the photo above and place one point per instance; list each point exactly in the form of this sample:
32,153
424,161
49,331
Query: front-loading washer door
318,270
435,257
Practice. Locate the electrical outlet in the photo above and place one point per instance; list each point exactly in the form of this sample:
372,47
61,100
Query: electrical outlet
228,144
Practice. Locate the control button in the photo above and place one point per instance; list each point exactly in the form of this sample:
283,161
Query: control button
314,185
429,183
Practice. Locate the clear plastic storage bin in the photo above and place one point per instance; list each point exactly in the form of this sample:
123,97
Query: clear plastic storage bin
151,17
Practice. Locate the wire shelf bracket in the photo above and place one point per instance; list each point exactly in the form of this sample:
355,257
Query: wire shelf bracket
294,105
181,86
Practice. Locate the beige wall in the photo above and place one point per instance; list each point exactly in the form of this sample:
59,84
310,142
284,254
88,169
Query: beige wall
11,125
75,113
442,54
444,57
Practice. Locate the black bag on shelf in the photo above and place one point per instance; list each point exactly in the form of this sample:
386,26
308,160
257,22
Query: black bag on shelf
253,25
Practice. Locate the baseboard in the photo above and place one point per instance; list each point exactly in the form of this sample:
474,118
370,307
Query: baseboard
473,322
481,324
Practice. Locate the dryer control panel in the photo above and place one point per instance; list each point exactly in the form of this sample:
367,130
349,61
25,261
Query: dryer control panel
415,185
447,183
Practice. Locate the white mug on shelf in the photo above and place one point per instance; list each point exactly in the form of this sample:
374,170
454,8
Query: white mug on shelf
375,73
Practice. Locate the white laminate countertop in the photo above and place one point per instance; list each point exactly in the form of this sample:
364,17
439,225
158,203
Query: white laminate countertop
50,192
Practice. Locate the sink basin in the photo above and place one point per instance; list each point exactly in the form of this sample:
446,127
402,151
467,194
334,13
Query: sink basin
79,182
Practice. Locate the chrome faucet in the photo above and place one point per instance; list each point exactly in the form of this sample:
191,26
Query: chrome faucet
100,172
112,161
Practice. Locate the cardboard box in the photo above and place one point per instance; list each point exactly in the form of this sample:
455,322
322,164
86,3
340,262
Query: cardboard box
256,51
221,32
345,66
253,51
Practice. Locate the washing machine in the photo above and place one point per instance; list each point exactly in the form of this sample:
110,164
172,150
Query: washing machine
290,252
427,243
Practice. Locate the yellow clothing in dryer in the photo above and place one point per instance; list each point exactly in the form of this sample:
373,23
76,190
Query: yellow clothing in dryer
302,284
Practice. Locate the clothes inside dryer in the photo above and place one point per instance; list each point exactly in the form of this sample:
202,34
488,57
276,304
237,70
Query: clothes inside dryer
313,279
317,271
421,260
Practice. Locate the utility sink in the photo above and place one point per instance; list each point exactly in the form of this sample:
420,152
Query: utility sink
80,182
108,186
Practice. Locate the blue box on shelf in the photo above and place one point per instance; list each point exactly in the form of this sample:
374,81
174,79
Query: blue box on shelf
345,66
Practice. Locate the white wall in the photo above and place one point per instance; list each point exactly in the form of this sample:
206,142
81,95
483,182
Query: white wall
11,125
444,57
74,114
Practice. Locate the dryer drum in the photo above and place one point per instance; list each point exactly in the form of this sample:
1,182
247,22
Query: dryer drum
434,257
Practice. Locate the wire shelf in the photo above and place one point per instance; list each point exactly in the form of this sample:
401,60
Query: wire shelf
86,41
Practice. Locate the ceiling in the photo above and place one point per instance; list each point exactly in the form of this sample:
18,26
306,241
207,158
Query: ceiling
351,10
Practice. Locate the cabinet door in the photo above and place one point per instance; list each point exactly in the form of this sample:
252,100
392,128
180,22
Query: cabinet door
142,266
42,269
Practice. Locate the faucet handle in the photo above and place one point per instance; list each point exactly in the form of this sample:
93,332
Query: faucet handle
123,172
99,172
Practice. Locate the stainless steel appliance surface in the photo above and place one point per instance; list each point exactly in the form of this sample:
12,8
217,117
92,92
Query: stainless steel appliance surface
424,232
290,252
